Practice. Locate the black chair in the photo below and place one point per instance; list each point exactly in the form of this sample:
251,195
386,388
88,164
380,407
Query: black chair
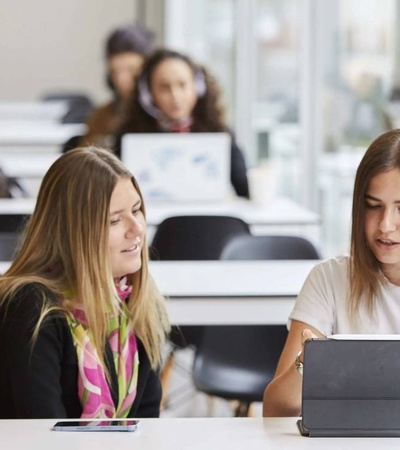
12,223
79,105
237,362
193,238
8,246
269,247
188,238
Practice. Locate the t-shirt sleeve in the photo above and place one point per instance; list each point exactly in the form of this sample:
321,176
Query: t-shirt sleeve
33,368
315,303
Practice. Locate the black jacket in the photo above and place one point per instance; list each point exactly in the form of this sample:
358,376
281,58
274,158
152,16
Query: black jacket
41,380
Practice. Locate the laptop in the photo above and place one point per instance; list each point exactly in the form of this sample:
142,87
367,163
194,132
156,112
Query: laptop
179,167
351,386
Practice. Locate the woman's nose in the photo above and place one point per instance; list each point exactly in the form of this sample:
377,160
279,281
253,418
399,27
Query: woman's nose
135,227
389,221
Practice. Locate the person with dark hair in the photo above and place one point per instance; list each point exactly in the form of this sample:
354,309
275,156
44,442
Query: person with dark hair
355,294
173,94
125,50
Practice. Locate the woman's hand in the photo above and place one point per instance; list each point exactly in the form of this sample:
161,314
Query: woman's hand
305,335
282,397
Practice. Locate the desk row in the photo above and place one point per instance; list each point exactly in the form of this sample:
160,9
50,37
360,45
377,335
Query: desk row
236,292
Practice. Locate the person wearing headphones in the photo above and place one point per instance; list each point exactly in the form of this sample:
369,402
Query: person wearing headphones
125,50
174,95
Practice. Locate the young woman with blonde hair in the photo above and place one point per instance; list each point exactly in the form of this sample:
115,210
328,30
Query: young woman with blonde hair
81,321
350,294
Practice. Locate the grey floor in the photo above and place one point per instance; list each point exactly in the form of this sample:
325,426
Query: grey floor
182,399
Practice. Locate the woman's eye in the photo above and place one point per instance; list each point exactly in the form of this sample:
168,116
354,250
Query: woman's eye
371,206
114,221
135,211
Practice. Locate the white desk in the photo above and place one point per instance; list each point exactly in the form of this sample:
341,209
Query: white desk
280,216
228,292
28,148
182,434
21,165
26,134
38,111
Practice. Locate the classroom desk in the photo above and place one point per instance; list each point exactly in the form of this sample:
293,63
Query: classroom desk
279,216
182,434
20,165
26,134
228,292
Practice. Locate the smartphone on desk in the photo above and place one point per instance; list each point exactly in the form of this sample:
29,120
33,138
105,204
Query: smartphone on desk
97,425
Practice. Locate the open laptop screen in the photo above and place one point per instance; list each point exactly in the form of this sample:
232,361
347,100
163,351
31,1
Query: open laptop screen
179,166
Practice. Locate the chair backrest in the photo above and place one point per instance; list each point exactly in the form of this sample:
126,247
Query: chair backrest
13,223
237,362
183,238
268,247
8,246
79,105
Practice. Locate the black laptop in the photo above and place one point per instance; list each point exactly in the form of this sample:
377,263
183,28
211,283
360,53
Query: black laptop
351,386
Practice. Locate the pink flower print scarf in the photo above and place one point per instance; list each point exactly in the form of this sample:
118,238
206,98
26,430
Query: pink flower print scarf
93,389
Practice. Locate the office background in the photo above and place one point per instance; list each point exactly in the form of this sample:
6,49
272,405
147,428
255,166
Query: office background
307,84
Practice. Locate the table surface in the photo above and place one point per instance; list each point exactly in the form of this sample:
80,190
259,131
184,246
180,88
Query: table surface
185,434
280,211
228,292
31,133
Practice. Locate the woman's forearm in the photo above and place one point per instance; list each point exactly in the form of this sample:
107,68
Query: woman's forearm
282,396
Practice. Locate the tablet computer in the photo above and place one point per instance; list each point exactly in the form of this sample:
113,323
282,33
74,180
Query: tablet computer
351,386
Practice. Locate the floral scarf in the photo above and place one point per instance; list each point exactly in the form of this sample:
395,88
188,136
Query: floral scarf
93,389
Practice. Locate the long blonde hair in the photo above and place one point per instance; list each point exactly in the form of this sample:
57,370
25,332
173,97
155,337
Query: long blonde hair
65,249
365,275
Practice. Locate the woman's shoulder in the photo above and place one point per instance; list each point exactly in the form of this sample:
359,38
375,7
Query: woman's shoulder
333,267
29,299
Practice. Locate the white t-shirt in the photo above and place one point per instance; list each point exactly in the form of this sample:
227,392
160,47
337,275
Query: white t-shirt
322,303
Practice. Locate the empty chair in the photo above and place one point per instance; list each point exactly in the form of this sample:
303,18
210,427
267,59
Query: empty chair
12,223
79,105
8,246
188,238
251,247
183,238
237,362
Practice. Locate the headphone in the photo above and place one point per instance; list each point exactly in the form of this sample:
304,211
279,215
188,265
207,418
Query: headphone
110,83
146,99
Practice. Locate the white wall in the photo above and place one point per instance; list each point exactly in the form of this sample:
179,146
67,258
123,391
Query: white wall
56,44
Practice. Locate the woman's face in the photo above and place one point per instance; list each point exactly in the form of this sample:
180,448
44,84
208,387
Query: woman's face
123,69
173,89
127,229
382,221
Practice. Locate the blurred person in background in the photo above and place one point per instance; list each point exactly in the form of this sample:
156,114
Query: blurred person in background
125,50
175,95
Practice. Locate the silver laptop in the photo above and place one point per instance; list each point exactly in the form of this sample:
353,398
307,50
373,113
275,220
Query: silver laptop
179,167
351,386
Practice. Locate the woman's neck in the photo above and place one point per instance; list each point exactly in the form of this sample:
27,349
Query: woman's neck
176,126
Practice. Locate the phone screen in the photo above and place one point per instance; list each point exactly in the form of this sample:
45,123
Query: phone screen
97,425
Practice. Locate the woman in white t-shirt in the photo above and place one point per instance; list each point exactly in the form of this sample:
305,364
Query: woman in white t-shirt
359,293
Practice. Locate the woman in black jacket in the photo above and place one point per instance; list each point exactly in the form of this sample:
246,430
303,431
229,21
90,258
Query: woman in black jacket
172,94
81,322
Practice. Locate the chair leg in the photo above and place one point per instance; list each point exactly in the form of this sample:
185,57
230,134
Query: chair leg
242,409
165,378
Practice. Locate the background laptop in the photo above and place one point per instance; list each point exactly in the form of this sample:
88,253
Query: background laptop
351,387
179,167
